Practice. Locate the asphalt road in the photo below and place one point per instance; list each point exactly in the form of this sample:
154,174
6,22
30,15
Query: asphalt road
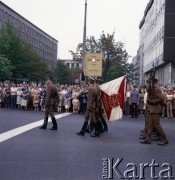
62,155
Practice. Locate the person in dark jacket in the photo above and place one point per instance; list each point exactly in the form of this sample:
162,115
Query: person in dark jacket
134,100
50,99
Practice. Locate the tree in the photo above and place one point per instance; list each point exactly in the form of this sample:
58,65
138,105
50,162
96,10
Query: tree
25,61
115,57
61,73
5,68
73,74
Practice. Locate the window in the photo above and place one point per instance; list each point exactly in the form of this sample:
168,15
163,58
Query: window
67,64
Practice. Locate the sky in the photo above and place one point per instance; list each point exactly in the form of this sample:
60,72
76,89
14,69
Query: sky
64,20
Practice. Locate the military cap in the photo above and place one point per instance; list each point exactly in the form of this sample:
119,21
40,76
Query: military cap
91,79
98,80
134,85
50,78
153,79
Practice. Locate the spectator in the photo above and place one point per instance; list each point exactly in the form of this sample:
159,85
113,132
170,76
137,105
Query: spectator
19,97
76,104
134,100
7,96
169,103
141,102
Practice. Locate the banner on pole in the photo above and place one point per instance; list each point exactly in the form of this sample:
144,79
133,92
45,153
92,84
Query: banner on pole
113,94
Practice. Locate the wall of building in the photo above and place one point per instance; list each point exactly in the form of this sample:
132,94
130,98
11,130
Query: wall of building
41,42
71,63
157,41
169,35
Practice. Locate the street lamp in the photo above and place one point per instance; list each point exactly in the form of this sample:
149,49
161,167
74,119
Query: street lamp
84,36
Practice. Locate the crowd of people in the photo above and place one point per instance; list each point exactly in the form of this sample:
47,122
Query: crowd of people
73,99
31,97
76,99
136,99
149,102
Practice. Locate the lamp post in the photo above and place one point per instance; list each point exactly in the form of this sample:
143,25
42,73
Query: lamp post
84,36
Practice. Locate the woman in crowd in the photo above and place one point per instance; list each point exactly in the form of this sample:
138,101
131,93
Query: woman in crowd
141,102
26,97
169,103
19,97
67,100
76,104
42,97
36,98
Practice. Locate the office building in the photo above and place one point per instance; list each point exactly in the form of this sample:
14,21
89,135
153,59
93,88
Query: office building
157,42
41,42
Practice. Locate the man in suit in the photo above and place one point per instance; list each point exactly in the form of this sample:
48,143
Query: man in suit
91,110
51,98
154,100
134,100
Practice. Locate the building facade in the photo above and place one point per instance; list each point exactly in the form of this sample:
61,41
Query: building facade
157,42
135,79
71,63
41,42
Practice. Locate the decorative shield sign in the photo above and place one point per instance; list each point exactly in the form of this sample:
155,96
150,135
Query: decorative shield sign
93,64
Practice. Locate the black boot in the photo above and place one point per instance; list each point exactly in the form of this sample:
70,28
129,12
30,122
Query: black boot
104,124
100,127
54,124
44,126
96,133
82,132
89,128
105,128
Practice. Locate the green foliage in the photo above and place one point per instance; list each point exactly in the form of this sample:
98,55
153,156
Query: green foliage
61,73
65,75
74,73
5,68
115,57
25,61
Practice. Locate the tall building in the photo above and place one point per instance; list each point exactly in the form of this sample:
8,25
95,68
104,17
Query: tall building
157,41
41,42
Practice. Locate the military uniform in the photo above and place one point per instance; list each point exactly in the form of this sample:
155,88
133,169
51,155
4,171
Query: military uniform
51,98
154,102
91,104
91,110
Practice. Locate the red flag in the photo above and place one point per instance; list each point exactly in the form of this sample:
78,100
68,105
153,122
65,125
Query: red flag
113,95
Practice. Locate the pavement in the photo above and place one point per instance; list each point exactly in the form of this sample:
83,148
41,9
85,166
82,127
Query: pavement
37,154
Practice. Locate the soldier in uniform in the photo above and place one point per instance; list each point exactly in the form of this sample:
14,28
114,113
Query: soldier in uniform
91,110
51,98
154,101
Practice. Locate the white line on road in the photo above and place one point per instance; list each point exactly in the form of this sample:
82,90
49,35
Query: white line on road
14,132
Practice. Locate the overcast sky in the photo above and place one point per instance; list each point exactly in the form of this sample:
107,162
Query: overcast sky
64,20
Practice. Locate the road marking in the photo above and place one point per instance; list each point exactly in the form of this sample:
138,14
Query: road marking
14,132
